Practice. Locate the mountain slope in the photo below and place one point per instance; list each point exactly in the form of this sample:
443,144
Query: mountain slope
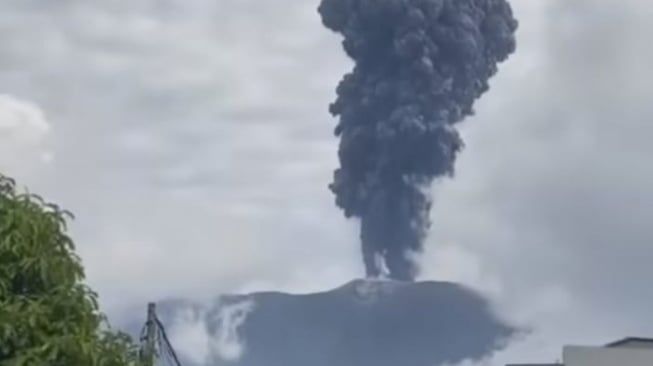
379,323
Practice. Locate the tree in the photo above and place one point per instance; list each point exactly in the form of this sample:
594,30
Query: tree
47,315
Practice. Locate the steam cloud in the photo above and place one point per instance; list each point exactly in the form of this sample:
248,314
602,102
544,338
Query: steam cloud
209,333
419,67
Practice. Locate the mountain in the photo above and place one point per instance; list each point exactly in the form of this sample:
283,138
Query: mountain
365,322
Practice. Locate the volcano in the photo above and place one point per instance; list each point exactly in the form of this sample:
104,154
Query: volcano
365,322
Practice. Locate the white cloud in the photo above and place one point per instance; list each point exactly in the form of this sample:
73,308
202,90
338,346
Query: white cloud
193,143
24,133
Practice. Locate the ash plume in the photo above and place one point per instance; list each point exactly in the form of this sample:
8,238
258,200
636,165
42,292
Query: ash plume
419,67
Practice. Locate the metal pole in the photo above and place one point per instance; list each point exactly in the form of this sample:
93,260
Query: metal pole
149,353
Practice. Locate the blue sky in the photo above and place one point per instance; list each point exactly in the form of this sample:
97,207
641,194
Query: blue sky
193,142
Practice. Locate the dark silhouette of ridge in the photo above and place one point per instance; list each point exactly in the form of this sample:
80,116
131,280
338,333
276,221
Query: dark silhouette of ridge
365,322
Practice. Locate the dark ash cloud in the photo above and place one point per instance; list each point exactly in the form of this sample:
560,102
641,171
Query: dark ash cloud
419,67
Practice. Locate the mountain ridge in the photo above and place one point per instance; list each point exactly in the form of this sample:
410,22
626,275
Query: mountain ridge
363,322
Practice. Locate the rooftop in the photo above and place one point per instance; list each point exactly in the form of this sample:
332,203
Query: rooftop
629,342
632,342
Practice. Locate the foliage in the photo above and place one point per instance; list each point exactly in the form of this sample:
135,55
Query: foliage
47,315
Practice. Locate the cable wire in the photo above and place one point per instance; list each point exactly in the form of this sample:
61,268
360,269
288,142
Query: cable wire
168,346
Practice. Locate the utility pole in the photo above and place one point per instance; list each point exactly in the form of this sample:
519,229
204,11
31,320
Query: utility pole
148,354
154,335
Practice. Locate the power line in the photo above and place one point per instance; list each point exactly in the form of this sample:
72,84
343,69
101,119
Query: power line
155,344
168,347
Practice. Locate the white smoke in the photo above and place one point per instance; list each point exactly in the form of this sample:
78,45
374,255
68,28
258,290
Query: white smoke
226,342
370,290
190,334
205,335
485,362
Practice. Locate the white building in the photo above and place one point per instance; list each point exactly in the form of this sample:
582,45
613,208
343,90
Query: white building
626,352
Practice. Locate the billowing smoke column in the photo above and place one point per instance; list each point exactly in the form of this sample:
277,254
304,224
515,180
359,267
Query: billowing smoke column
419,67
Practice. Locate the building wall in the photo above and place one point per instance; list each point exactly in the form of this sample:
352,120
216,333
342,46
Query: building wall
593,356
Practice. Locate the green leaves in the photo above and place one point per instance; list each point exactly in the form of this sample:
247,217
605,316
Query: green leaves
47,315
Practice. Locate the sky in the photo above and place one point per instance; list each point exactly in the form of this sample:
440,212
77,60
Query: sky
193,142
